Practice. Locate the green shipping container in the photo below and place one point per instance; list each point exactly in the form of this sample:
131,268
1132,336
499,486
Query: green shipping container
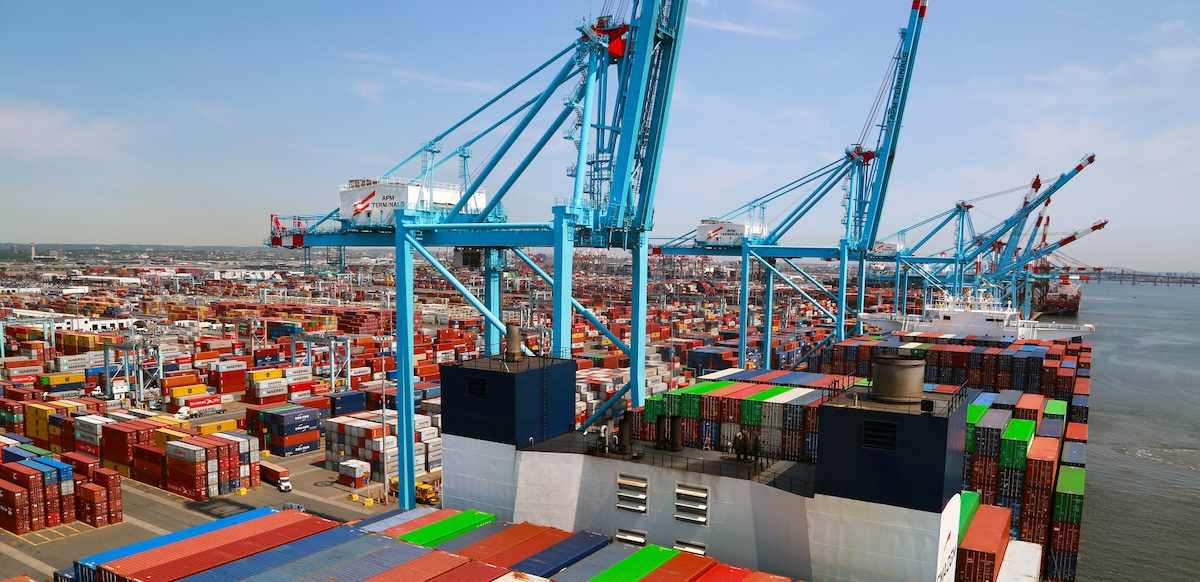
752,406
690,400
975,414
969,504
637,566
673,400
654,408
1068,495
1015,443
1055,409
449,528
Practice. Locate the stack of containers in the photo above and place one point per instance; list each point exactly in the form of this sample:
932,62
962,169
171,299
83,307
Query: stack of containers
111,482
88,433
291,430
266,387
14,508
1041,472
985,460
1014,448
51,493
1063,558
354,473
31,480
92,500
228,377
66,488
362,437
975,413
187,470
429,438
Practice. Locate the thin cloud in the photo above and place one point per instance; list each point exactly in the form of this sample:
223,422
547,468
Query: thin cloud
366,57
221,115
40,132
724,25
376,88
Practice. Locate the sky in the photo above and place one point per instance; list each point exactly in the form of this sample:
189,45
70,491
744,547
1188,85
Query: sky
190,123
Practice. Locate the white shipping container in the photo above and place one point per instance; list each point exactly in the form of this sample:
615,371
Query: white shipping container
186,451
271,383
263,392
424,434
421,421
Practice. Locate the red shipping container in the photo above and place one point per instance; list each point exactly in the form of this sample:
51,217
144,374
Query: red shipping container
206,551
725,573
1064,537
428,566
1076,432
471,572
1041,463
982,549
529,547
684,567
27,477
985,471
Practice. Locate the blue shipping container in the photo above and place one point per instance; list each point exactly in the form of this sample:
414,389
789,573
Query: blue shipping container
562,555
278,556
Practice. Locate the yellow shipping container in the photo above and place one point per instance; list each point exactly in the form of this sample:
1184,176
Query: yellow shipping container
193,390
163,436
218,426
256,375
55,430
33,409
114,466
65,378
172,421
56,449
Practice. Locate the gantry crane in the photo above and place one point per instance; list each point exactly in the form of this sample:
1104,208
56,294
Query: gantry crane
993,258
864,175
619,74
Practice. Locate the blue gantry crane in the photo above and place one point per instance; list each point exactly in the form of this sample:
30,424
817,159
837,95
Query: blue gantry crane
993,258
618,76
863,174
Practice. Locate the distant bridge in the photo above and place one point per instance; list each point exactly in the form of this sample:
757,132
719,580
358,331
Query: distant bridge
1135,277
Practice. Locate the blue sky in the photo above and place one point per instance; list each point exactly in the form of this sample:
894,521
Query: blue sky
190,123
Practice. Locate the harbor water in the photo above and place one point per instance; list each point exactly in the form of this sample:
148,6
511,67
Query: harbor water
1142,509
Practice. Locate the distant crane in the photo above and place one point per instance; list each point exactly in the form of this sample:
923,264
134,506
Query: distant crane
864,175
616,113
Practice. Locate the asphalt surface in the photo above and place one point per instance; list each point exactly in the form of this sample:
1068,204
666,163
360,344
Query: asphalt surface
150,512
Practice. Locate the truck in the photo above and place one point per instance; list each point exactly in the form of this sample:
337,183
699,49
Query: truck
276,475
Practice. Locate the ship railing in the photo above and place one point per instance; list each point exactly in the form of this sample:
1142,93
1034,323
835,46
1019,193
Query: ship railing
1054,326
643,453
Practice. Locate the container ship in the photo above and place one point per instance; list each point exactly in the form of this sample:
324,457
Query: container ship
1062,298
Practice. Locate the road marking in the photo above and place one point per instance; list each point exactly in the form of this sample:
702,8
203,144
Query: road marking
154,529
27,560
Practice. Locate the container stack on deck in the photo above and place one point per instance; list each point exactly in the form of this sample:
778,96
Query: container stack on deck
405,546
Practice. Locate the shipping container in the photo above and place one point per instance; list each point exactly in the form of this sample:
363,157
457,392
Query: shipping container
85,568
638,565
278,556
371,564
684,567
506,539
473,536
209,550
982,550
417,523
376,525
1068,494
725,573
471,572
326,558
421,569
593,565
527,548
563,554
449,528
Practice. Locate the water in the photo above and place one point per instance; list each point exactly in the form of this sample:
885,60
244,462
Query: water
1142,509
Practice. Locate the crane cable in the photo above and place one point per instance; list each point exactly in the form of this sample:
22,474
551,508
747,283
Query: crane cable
881,95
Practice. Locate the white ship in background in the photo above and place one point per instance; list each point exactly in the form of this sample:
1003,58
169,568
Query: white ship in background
975,315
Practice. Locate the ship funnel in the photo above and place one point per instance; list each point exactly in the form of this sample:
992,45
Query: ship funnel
898,378
512,351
